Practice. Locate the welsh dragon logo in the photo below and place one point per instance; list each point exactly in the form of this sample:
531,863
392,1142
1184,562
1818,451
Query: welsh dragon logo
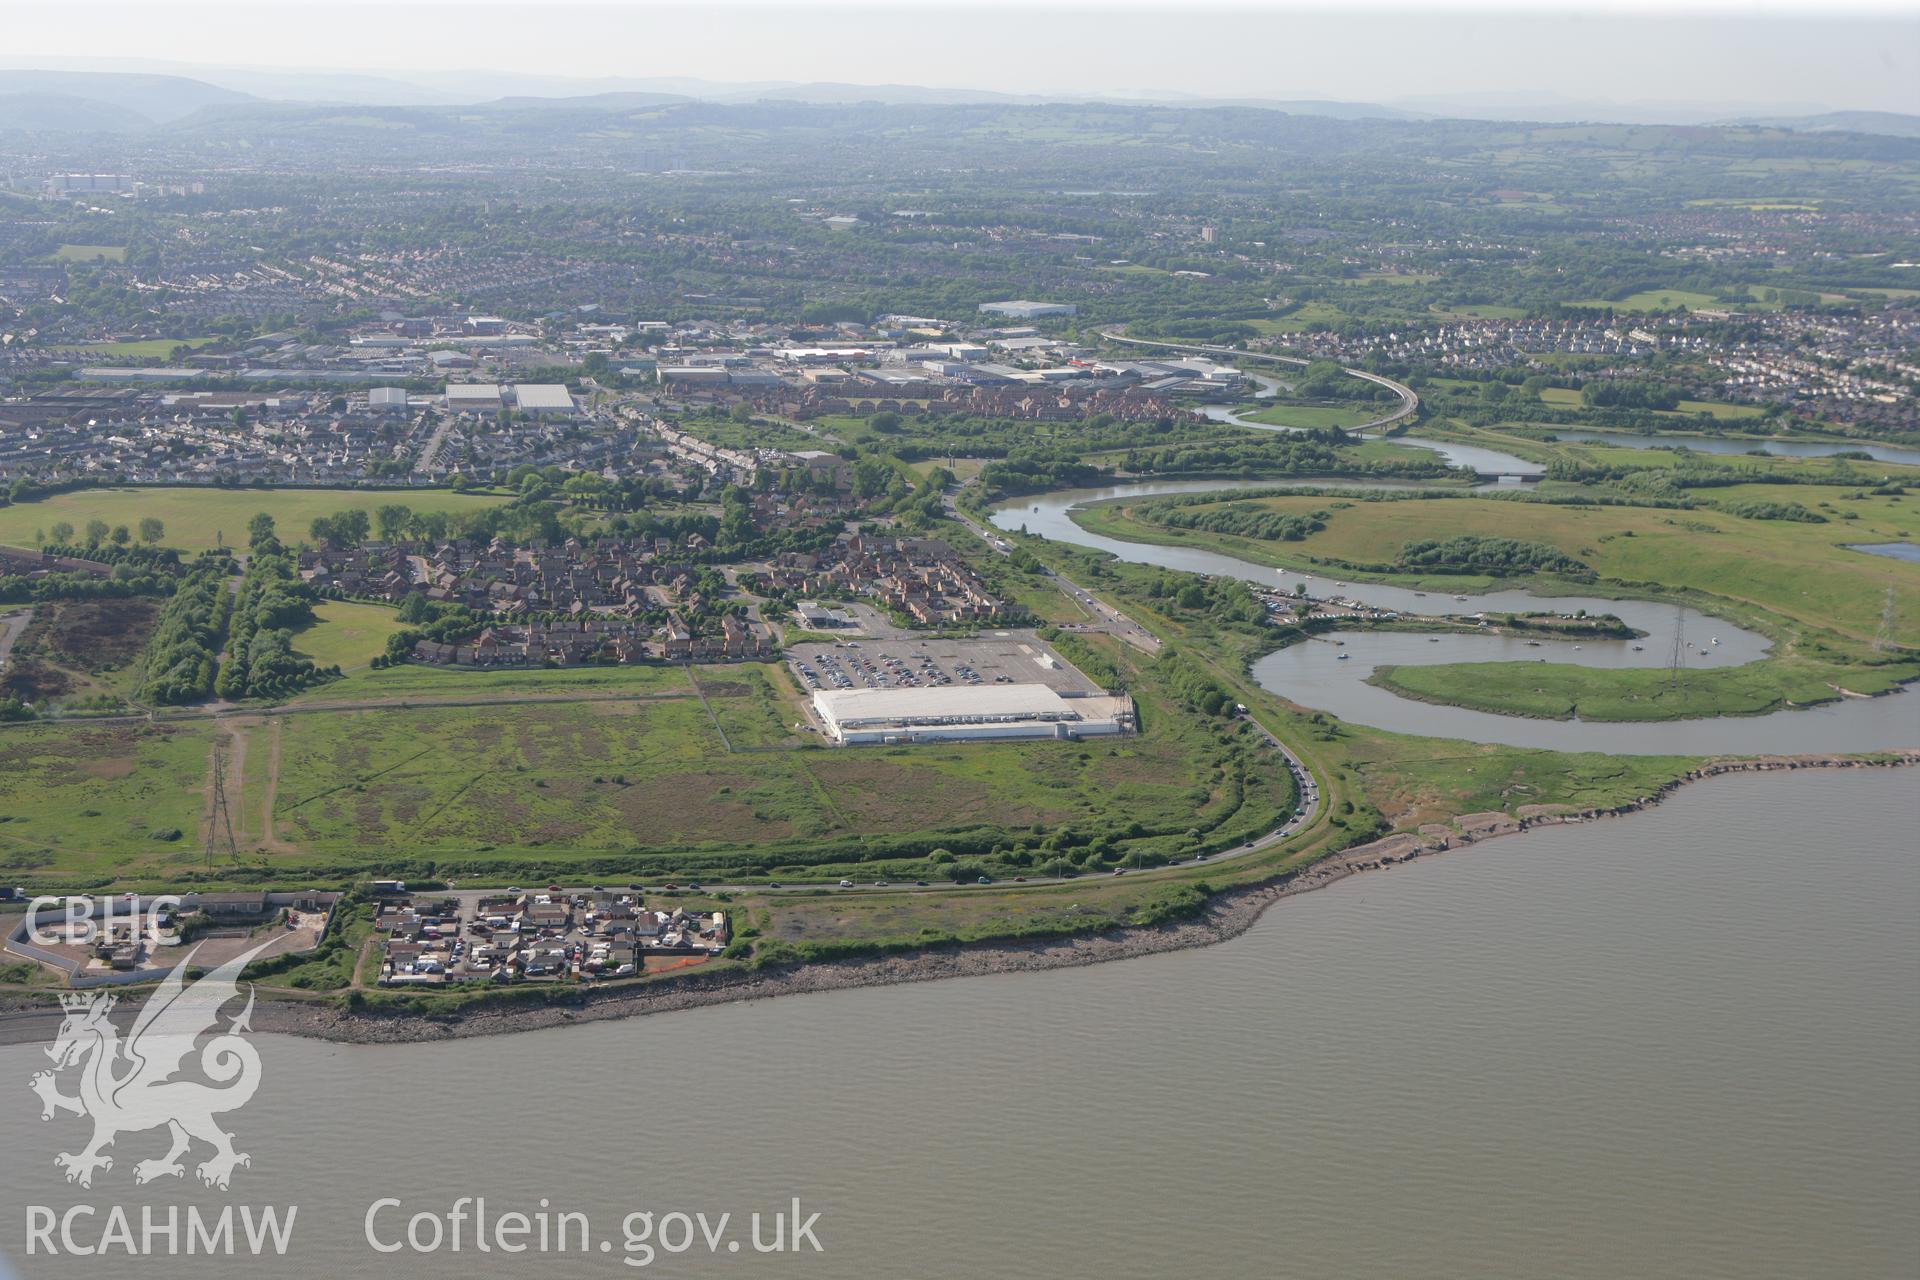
127,1086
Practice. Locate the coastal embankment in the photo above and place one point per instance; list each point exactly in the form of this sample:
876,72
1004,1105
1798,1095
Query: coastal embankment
1228,915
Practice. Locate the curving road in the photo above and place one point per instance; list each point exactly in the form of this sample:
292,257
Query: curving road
1409,398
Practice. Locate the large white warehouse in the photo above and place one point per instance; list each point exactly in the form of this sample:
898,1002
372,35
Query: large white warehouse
990,711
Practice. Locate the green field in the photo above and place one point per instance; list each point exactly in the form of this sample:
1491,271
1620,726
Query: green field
1558,691
1297,320
1316,415
1799,571
1567,398
1823,603
1668,299
143,349
80,653
345,634
631,772
91,253
1528,441
199,519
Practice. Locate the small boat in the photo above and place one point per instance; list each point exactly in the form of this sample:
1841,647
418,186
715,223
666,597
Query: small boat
1345,656
1716,639
1459,597
1421,594
1433,639
1639,648
1576,648
1533,644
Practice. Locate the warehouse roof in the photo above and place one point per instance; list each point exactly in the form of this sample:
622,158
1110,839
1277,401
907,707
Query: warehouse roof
542,395
982,704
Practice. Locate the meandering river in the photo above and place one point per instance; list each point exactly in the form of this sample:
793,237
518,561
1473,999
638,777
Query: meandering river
1316,674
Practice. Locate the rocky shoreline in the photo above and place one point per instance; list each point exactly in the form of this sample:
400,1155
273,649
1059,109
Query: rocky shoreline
1230,914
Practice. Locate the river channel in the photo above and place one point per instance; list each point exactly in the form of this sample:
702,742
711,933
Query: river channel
1329,673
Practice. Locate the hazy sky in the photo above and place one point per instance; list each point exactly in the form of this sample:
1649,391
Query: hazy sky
1863,55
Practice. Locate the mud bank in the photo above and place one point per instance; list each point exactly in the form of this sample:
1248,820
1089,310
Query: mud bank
1229,915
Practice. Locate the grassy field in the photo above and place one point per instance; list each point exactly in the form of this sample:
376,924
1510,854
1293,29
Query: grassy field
346,634
1527,442
1297,320
91,253
1567,398
144,349
1668,299
1800,571
1314,415
1556,691
198,519
1822,602
86,803
632,771
411,682
80,652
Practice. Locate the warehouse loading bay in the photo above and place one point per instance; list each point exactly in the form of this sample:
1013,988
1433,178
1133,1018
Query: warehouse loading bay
917,662
1007,684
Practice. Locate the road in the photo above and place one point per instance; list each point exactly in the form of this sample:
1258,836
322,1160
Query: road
1409,398
1108,619
430,452
11,625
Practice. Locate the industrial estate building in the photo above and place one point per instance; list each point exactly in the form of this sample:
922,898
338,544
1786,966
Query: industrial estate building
853,716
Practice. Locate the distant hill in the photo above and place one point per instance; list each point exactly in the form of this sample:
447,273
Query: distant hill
61,112
152,99
1889,124
620,101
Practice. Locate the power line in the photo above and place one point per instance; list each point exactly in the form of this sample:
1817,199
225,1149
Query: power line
220,820
1677,660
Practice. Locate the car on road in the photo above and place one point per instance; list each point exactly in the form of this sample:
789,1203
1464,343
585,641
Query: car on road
846,884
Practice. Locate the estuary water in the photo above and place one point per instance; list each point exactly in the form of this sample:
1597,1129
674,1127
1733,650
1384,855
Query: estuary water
1737,446
1677,1044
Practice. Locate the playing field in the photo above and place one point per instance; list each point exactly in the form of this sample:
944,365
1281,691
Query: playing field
198,519
91,253
345,634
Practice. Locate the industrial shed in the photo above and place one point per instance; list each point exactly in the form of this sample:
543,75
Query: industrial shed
853,716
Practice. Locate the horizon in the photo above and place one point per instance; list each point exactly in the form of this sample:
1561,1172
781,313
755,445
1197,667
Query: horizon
1730,62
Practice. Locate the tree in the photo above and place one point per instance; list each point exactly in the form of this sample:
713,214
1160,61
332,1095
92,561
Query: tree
152,529
393,519
260,529
121,535
62,532
96,532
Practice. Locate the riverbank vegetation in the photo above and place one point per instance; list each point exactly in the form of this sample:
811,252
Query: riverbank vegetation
1841,623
